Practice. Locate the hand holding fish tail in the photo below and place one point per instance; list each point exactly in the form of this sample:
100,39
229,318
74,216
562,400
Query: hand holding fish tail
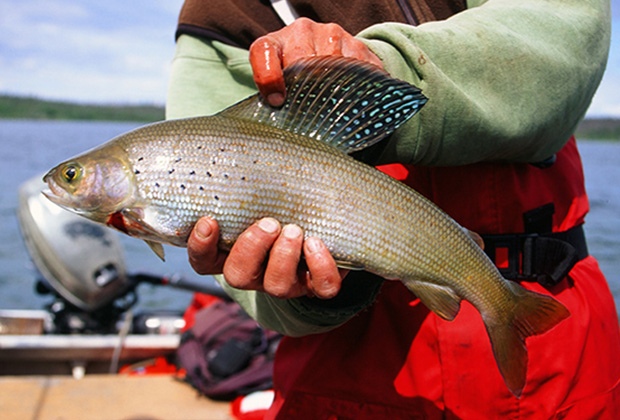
266,258
303,38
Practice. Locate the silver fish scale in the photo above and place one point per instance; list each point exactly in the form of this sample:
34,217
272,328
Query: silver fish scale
242,171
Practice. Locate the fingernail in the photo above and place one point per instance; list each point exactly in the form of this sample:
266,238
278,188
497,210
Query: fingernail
314,245
291,231
275,99
203,229
268,225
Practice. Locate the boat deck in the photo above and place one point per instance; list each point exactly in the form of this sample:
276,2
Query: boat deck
105,397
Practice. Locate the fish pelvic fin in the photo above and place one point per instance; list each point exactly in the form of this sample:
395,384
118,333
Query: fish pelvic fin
475,237
533,314
442,300
157,248
341,101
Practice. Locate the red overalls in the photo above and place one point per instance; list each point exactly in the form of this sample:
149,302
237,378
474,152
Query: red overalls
396,360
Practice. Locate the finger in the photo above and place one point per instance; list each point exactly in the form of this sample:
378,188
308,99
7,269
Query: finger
330,39
325,278
281,273
266,61
245,264
202,247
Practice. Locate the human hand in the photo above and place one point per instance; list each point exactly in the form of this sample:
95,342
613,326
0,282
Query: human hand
270,53
266,258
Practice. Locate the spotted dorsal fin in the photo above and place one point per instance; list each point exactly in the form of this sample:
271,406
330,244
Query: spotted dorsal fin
340,101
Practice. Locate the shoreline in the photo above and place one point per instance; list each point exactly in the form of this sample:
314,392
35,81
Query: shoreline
24,107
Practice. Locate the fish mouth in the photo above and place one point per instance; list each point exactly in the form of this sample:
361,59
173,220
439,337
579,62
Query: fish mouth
55,193
54,198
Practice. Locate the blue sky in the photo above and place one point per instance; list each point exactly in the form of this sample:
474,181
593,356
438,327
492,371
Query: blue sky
120,51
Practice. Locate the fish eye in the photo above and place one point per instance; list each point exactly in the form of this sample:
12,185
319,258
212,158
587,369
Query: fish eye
71,173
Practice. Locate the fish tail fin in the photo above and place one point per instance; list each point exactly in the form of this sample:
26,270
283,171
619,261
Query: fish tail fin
533,314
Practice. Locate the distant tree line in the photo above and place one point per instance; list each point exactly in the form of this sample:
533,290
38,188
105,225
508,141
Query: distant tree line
34,108
599,129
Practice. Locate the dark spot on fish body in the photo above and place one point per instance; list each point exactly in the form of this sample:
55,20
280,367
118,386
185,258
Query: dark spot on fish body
157,185
178,160
137,172
182,186
192,173
171,171
216,197
140,159
209,174
201,188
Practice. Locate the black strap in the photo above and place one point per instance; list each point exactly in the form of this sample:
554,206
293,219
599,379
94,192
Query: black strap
544,258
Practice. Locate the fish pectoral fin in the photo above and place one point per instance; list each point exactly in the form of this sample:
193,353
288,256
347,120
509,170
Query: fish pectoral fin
349,266
440,299
134,221
157,248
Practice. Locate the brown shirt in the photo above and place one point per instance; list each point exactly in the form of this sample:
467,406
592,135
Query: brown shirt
240,22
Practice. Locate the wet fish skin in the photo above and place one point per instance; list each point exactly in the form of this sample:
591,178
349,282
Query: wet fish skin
155,182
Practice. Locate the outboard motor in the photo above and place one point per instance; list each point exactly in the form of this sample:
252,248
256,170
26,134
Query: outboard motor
78,258
81,263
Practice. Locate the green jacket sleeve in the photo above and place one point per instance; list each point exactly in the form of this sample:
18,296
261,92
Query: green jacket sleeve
506,80
303,316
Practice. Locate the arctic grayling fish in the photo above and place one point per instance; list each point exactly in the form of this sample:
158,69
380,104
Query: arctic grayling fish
251,161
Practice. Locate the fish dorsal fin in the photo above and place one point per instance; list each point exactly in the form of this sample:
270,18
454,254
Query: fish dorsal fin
341,101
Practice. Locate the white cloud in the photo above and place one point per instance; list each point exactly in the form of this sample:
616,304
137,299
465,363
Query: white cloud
114,51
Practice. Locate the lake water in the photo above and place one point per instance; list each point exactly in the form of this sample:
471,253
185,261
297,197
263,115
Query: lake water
29,148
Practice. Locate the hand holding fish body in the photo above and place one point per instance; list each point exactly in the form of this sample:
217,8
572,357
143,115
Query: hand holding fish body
252,161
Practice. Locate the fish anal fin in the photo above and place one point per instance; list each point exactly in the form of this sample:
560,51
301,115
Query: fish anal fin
442,300
533,314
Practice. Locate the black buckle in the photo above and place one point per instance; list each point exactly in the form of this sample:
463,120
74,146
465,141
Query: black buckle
506,252
546,259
